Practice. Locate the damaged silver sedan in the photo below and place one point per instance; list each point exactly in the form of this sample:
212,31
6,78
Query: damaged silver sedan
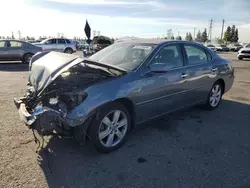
103,97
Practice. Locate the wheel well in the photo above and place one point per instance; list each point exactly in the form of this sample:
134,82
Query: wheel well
27,53
222,82
68,48
130,106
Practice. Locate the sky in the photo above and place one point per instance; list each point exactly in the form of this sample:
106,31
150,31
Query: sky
121,18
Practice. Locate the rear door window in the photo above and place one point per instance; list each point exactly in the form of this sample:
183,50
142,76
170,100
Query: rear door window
15,44
68,41
196,55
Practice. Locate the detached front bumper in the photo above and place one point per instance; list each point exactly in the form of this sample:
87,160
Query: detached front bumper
25,116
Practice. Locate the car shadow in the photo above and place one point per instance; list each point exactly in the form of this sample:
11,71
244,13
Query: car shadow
13,67
66,164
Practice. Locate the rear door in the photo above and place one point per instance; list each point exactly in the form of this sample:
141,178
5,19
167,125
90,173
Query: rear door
200,71
2,49
14,50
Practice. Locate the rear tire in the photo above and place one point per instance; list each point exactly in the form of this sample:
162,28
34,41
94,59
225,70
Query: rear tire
214,97
68,51
27,57
110,128
240,58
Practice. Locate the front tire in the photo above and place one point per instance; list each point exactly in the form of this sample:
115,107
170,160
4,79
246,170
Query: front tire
109,130
214,97
240,58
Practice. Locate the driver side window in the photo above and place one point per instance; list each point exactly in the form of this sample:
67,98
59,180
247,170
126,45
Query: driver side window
51,41
170,55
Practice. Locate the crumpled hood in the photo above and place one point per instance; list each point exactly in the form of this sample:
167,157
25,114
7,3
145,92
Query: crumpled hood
49,67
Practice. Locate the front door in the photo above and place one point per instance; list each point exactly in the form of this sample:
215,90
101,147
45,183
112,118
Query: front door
61,45
162,92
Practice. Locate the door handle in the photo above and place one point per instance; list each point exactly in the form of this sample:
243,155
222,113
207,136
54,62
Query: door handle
184,75
214,69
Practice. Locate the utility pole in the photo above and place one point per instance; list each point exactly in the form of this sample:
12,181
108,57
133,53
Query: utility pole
223,22
210,29
194,33
178,33
19,35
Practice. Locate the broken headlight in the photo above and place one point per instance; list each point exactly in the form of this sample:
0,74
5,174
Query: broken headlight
74,99
53,100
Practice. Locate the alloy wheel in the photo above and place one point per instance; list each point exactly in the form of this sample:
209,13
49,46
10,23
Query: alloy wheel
113,128
215,95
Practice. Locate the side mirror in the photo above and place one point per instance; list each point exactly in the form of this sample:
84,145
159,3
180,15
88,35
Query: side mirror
158,68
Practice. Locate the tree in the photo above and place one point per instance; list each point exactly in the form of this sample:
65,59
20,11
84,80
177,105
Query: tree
198,36
189,37
8,37
166,38
232,33
220,41
178,38
0,37
3,37
204,36
28,38
227,34
235,36
172,38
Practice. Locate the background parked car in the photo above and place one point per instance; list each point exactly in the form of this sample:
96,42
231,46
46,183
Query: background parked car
222,47
101,42
235,47
244,52
211,47
15,50
57,44
77,44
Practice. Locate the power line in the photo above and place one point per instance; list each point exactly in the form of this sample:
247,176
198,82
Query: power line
223,22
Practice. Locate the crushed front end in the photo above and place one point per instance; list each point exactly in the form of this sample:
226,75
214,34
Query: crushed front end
54,90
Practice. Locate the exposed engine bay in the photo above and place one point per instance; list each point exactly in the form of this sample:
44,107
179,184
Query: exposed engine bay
48,108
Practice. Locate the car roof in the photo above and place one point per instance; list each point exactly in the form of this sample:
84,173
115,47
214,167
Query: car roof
12,40
155,41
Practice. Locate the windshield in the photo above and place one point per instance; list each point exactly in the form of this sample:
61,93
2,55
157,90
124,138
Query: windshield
123,55
46,41
210,46
223,45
